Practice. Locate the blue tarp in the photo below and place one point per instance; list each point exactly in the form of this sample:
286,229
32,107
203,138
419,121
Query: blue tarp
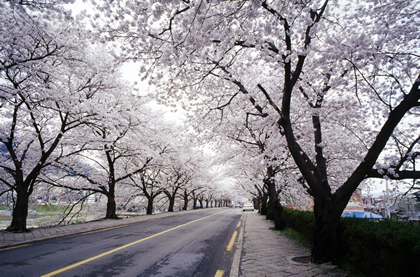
367,215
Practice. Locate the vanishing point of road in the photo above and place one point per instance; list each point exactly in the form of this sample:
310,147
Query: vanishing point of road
191,244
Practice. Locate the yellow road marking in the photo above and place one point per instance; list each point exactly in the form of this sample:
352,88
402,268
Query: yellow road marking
121,247
13,247
219,273
232,241
239,225
106,229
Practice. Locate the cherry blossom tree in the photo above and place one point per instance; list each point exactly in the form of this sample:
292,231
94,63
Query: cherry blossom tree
147,182
188,193
115,148
206,189
260,152
180,171
47,82
273,160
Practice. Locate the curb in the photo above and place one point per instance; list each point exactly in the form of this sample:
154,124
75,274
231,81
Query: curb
234,270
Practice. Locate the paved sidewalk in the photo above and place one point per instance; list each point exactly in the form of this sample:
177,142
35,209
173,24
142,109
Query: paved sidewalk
267,253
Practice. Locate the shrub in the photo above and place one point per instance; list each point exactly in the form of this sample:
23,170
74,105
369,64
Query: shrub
382,248
371,248
301,221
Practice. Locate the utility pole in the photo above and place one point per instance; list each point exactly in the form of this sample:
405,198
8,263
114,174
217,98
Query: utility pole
387,213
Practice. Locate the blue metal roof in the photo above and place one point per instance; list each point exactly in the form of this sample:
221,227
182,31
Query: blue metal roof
367,215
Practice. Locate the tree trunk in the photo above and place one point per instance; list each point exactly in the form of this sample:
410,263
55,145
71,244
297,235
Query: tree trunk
185,197
20,211
111,207
279,218
271,207
264,208
185,205
149,205
194,203
275,210
171,204
270,184
327,235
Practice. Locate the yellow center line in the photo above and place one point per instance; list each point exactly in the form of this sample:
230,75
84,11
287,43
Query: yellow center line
13,247
232,241
239,225
106,229
122,247
219,273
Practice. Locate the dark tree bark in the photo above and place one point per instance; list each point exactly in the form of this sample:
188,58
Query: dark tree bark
272,193
200,200
264,206
148,189
178,180
194,203
279,217
111,207
261,199
196,198
150,200
171,204
149,206
327,234
275,210
171,198
20,211
185,197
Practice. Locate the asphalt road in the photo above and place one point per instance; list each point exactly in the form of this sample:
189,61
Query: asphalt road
186,245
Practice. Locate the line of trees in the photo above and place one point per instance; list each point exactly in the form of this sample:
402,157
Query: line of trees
70,120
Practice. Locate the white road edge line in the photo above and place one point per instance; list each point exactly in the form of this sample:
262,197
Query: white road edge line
234,270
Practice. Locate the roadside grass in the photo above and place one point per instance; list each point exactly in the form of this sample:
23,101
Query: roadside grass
47,210
48,215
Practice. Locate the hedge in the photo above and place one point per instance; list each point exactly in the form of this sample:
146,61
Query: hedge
371,248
